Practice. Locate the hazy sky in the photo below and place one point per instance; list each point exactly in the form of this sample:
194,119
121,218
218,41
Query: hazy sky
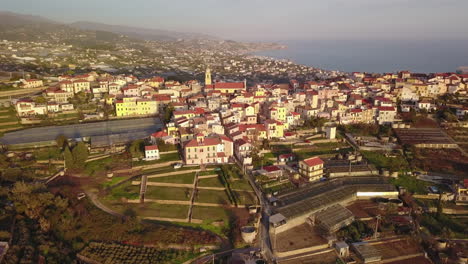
269,19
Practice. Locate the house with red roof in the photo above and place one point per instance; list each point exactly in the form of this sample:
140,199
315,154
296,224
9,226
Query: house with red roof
386,115
228,87
311,168
151,152
271,171
215,149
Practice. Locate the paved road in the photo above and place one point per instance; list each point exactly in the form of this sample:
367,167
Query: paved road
263,232
128,127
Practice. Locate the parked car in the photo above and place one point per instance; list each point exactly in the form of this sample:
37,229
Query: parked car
178,165
81,196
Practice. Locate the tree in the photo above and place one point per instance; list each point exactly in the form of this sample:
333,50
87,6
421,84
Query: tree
265,144
80,155
440,208
40,100
69,162
11,174
37,203
168,113
136,148
61,141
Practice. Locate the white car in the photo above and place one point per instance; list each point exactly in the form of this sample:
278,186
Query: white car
178,165
81,196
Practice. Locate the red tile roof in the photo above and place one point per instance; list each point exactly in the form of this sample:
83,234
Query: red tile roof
152,147
386,108
314,161
229,85
159,134
271,168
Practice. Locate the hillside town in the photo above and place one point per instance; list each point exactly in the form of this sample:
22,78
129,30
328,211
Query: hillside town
349,168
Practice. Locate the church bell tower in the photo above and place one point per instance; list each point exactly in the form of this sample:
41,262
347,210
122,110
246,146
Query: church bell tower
208,76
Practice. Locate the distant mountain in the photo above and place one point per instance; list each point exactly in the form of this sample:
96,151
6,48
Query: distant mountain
14,19
139,33
11,23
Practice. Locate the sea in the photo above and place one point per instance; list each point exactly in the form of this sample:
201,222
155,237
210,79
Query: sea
376,56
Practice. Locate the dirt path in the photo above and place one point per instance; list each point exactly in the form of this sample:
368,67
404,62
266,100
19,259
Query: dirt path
177,202
192,198
180,220
99,205
165,174
212,188
208,176
164,184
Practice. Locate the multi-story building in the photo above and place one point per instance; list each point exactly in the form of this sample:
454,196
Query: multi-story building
135,107
32,83
311,168
278,113
208,150
81,86
386,115
242,150
151,152
61,96
28,107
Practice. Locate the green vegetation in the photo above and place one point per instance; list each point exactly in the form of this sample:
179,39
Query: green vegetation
411,184
211,182
168,193
163,146
118,253
245,198
125,190
444,225
137,148
113,181
150,209
212,196
397,163
168,113
241,184
180,178
76,157
210,213
48,153
57,226
355,232
314,122
166,169
304,154
277,187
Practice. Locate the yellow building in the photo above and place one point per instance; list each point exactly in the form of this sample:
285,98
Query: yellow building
274,129
136,107
156,82
311,168
184,113
260,92
249,111
278,113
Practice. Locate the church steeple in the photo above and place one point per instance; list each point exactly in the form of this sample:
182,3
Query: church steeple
208,76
